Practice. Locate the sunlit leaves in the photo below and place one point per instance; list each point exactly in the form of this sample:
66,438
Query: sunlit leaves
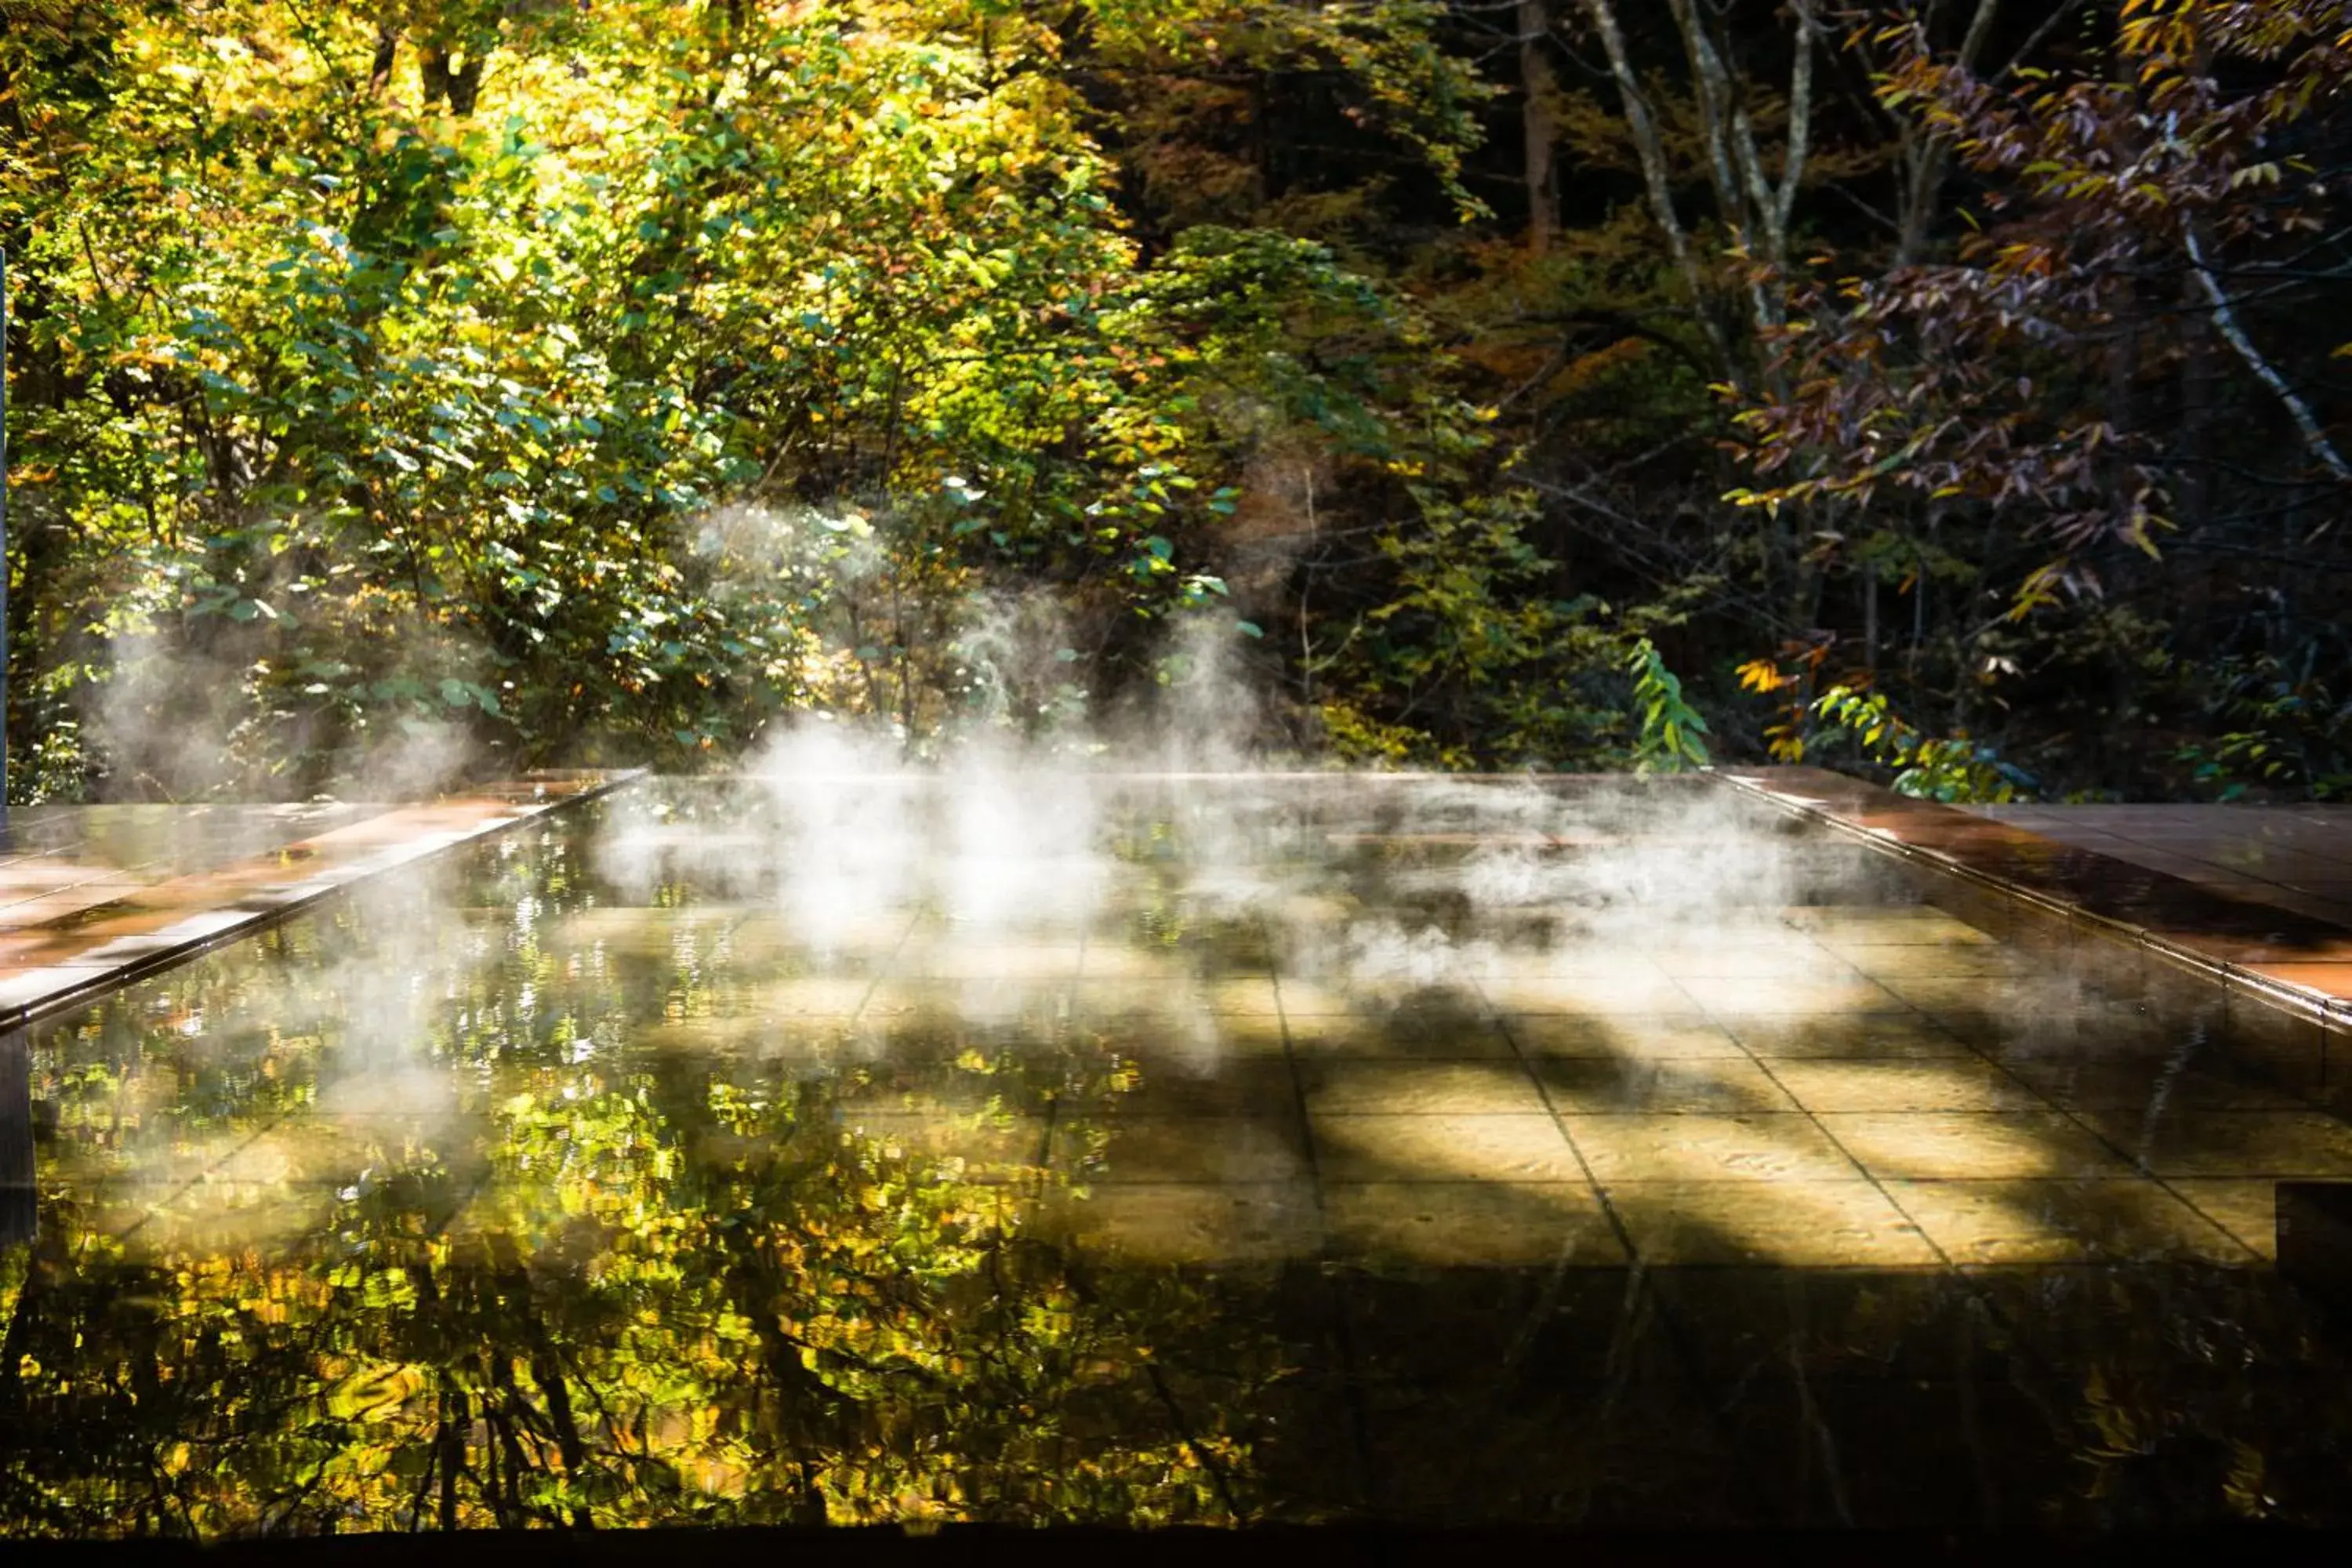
416,353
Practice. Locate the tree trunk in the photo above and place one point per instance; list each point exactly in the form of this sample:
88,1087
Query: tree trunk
451,79
1539,123
387,51
1658,180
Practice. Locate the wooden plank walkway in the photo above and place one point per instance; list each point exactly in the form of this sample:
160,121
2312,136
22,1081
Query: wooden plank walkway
2296,857
2285,962
93,898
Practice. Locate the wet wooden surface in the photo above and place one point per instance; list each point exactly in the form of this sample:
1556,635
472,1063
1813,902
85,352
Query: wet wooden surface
93,897
2280,919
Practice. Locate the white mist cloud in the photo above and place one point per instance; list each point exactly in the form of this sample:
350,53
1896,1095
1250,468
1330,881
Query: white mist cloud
1026,828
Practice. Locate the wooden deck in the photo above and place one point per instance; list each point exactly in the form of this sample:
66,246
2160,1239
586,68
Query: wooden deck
93,898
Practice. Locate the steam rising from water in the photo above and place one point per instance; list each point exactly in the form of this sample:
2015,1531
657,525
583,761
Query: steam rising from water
1003,842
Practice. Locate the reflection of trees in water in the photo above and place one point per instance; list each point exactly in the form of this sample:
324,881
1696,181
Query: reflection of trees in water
2071,1398
608,1284
2207,1396
549,1233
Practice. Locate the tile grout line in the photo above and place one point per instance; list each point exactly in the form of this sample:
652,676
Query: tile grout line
1328,1264
1969,1284
1640,1284
1069,1019
2139,1172
1731,1031
1495,1019
1298,1103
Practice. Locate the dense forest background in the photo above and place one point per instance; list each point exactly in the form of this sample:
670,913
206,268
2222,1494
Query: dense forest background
1956,390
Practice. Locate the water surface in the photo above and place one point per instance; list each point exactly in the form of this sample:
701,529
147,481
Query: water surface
1228,1153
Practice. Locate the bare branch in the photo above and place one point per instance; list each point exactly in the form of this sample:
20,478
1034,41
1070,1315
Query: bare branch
2225,316
1716,106
1656,178
2040,35
1800,122
1932,155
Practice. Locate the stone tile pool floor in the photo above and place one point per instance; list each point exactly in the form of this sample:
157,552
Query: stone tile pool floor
1653,1108
593,1187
